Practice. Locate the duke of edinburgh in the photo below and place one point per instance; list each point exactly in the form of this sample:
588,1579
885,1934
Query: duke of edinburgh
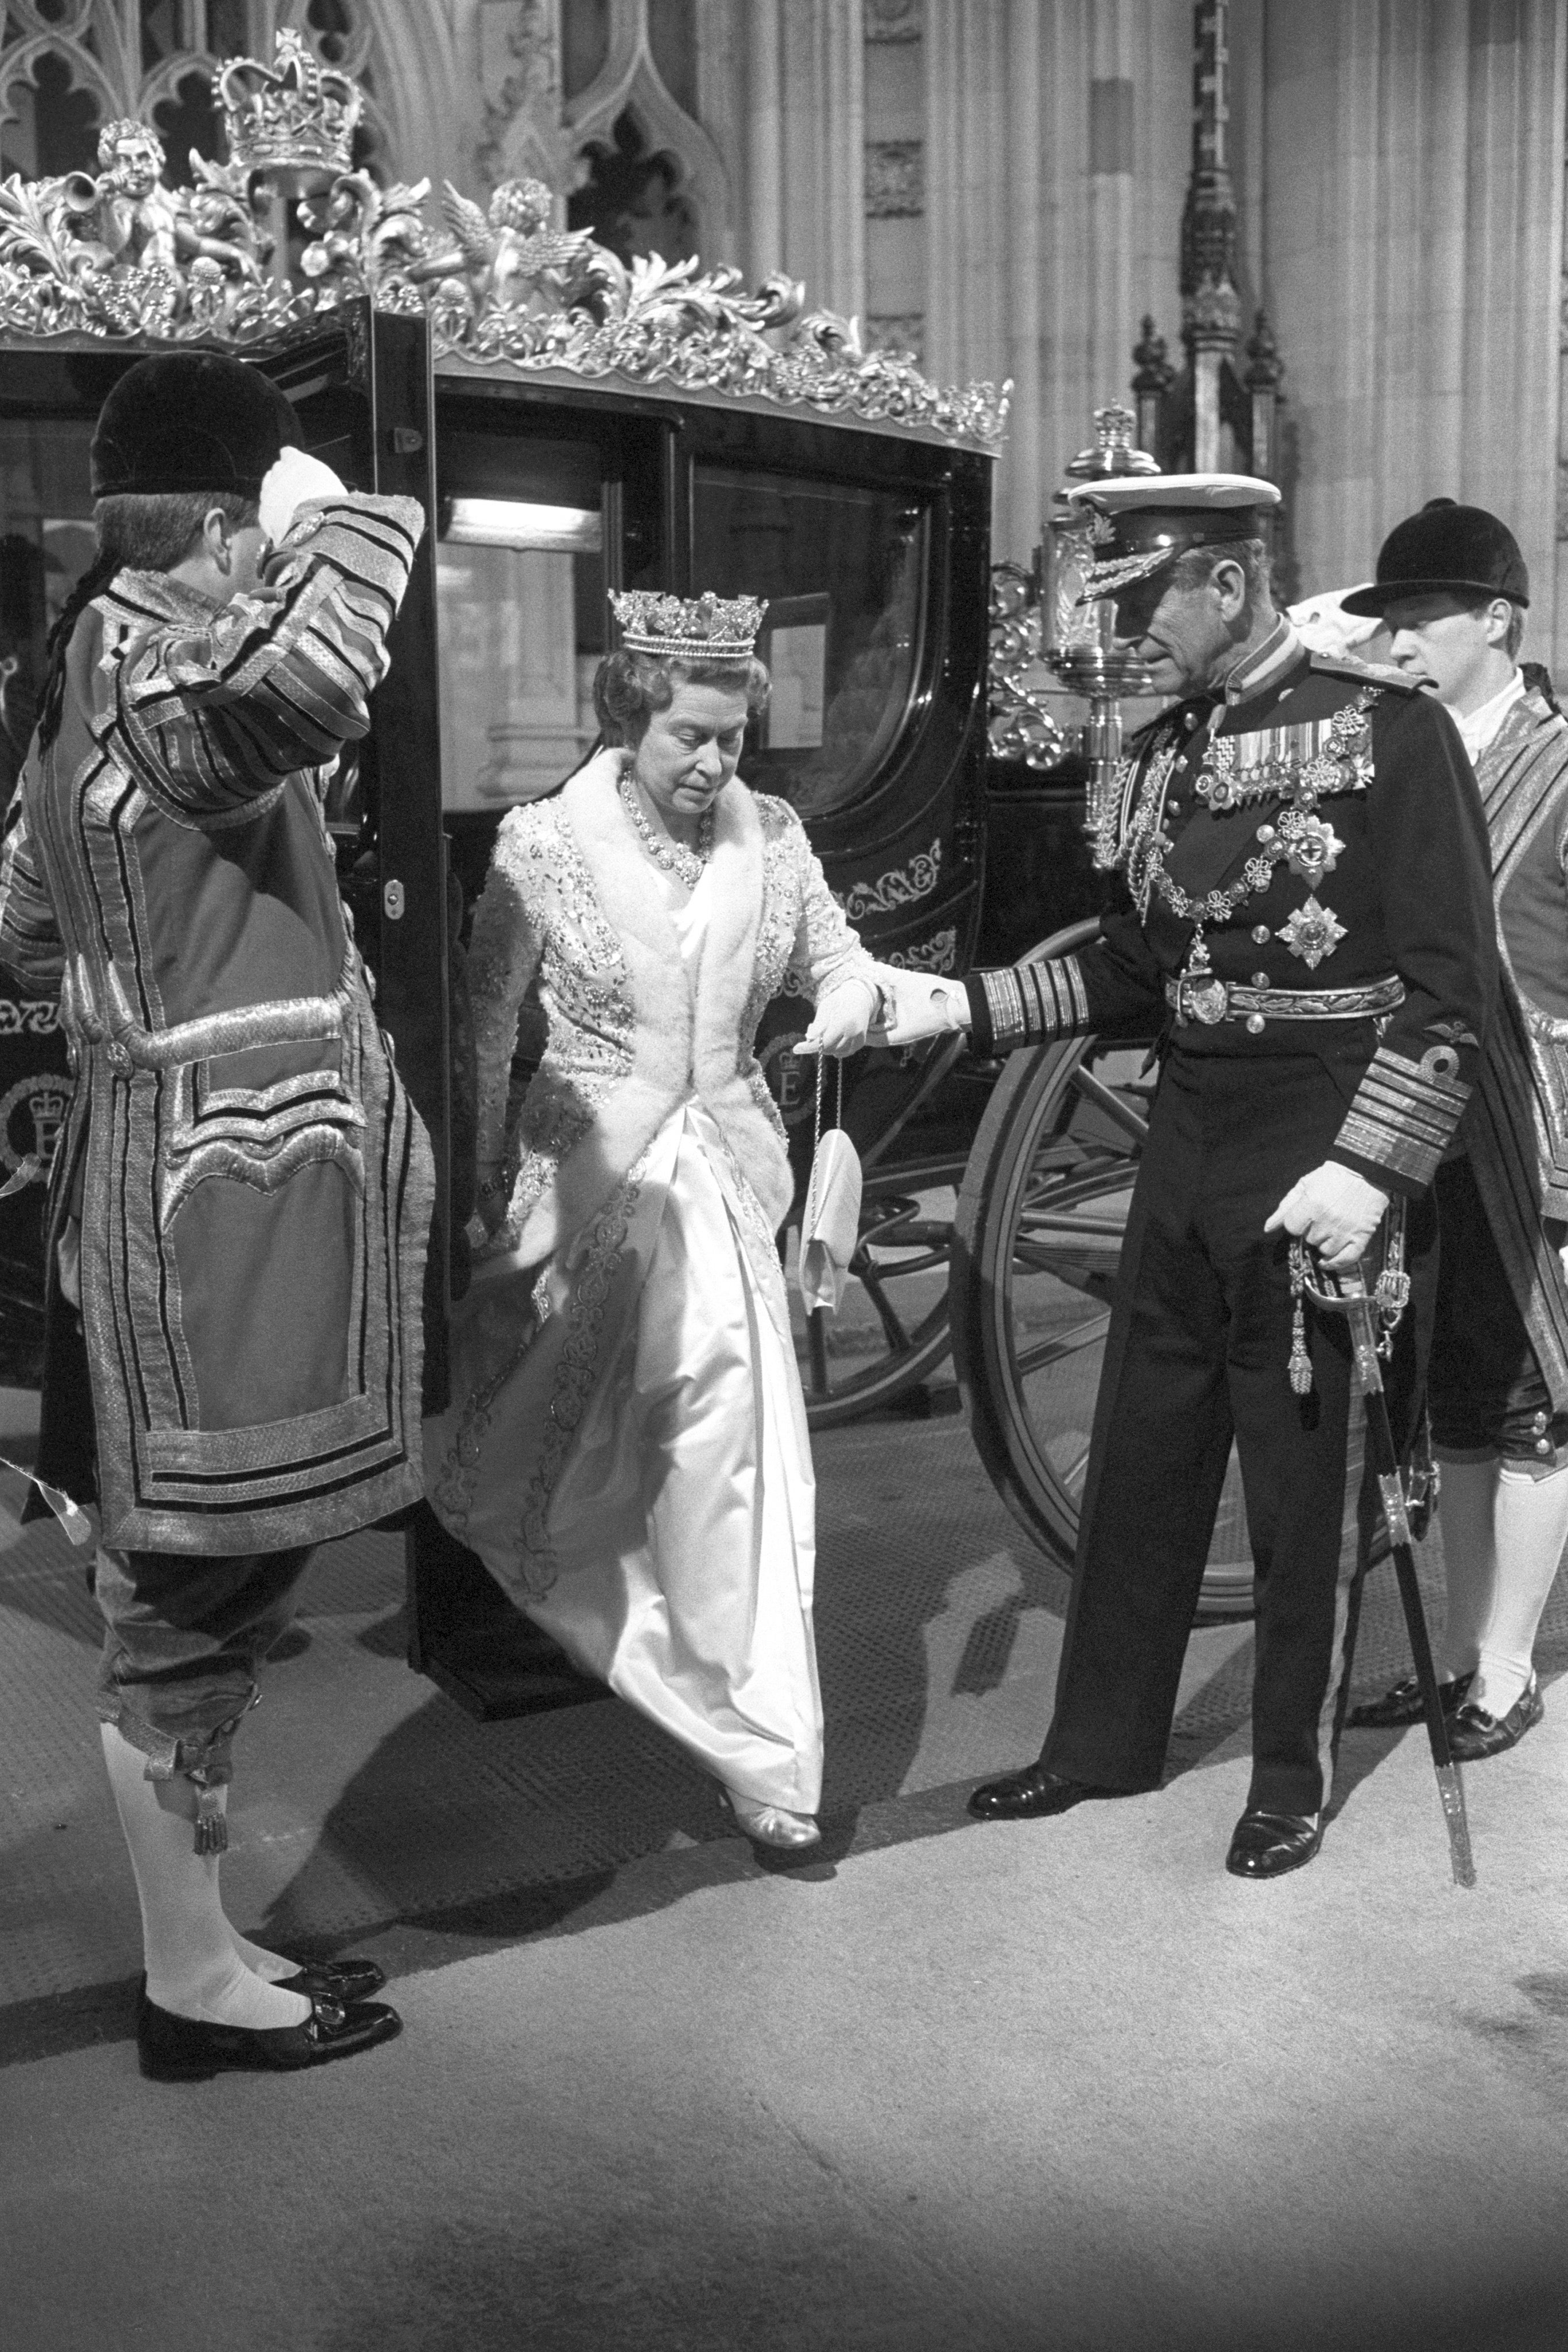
1309,930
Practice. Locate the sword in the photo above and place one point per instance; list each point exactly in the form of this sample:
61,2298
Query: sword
1345,1293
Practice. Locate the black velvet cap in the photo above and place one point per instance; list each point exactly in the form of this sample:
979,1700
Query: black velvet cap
190,420
1463,550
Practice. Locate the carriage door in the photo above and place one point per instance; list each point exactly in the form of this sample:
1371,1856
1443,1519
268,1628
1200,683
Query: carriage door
543,507
47,407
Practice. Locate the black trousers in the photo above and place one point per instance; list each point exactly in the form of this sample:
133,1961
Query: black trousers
1197,1354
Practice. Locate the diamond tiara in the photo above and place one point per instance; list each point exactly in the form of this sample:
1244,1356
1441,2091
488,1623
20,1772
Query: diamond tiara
716,629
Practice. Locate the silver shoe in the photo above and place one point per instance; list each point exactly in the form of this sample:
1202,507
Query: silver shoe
772,1825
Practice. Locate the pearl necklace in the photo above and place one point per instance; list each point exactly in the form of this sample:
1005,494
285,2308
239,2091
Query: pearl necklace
673,856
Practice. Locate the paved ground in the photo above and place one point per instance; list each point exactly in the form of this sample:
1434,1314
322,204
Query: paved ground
1061,2085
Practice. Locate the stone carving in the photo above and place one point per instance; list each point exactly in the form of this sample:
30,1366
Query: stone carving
520,82
897,331
895,20
125,255
895,178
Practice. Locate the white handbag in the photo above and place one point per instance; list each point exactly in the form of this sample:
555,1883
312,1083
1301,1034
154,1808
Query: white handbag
830,1225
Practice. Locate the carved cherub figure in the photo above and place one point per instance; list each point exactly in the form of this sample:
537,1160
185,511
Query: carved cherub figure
510,257
140,223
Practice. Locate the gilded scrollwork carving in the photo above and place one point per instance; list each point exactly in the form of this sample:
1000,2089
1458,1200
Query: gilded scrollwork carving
126,255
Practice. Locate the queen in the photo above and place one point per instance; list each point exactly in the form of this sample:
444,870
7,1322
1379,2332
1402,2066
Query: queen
626,1448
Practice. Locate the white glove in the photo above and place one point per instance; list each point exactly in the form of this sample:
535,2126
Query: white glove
1335,1211
841,1020
920,1006
292,478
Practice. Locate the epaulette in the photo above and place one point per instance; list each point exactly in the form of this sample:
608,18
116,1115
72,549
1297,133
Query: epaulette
1378,673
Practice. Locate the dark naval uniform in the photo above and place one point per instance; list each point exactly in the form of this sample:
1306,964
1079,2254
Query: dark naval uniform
1311,929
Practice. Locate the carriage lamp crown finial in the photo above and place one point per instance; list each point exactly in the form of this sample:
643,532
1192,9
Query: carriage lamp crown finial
708,627
1114,453
294,119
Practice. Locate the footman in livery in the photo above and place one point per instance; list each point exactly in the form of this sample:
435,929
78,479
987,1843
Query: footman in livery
242,1192
1452,590
1309,926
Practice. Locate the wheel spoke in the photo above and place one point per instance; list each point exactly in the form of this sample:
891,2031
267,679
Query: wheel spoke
1105,1099
1098,1229
1066,1343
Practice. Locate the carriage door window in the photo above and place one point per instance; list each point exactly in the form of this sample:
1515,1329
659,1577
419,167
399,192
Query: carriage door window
843,569
520,600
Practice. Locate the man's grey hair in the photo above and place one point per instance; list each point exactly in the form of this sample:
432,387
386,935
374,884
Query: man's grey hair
1198,563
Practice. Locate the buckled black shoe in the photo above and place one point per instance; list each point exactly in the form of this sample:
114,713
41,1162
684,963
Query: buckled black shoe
187,2049
1474,1735
340,1981
1265,1845
1403,1704
1030,1795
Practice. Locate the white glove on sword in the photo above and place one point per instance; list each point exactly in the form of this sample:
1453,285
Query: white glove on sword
1334,1211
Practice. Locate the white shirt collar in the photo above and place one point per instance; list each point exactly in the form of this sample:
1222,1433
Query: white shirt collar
1479,729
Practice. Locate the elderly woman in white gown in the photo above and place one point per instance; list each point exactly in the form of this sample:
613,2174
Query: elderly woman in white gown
626,1447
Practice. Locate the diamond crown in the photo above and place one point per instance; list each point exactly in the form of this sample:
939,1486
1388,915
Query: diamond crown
716,628
296,114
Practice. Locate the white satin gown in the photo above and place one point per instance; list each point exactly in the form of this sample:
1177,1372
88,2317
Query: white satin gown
681,1525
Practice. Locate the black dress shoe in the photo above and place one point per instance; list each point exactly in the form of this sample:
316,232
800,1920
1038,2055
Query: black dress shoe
1404,1704
339,1980
1027,1796
187,2049
1265,1845
1473,1735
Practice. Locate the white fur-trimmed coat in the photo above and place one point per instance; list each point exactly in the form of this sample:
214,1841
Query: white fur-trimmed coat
571,895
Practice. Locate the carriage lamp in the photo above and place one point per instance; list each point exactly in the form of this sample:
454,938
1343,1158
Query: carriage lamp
1079,627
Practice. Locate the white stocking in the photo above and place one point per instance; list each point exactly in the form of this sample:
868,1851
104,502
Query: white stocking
1467,1510
192,1967
1531,1524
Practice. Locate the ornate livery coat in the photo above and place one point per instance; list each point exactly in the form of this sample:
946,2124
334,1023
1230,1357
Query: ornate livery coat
1516,1131
251,1184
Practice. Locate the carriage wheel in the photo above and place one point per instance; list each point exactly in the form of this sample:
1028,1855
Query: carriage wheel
1038,1241
891,1331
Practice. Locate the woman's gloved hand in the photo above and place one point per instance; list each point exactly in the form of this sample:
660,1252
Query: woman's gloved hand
1334,1211
841,1019
918,1005
292,478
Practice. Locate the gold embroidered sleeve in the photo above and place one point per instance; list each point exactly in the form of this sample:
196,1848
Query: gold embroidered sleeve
1402,1119
212,719
1027,1004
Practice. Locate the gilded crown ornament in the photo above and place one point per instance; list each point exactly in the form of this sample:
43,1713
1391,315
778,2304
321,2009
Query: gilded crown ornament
294,120
703,628
124,254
